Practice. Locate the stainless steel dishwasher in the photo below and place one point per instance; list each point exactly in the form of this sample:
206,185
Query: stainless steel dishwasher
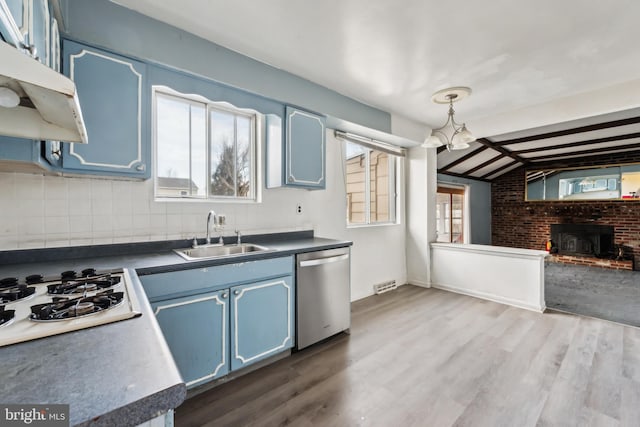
323,295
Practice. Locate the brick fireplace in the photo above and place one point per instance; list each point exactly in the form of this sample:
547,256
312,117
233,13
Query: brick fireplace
520,224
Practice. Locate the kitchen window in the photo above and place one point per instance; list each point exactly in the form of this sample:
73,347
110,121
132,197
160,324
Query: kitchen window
370,184
203,150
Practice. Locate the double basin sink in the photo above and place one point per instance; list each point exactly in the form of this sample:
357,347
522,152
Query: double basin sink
219,251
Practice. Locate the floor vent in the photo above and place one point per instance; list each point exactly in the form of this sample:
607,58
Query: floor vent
383,287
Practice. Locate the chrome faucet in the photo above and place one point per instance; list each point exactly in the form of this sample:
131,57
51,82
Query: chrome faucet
218,222
239,241
215,221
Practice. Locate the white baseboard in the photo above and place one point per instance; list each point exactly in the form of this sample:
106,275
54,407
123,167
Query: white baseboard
491,297
418,283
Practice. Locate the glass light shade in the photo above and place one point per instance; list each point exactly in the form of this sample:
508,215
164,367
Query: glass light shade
465,135
433,141
460,146
8,98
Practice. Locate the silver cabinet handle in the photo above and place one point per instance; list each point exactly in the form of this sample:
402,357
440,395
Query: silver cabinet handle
236,292
224,295
326,260
140,168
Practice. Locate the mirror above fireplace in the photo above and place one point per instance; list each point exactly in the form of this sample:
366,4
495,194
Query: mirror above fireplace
617,182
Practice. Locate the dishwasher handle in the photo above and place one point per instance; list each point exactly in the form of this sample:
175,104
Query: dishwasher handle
320,261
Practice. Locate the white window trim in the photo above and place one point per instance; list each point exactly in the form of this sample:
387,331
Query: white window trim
394,202
257,130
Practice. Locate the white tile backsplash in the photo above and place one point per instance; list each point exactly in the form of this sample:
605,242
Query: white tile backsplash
57,225
29,187
56,207
56,188
30,207
80,225
51,211
101,223
31,226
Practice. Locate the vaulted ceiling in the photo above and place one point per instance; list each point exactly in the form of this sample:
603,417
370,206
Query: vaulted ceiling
491,157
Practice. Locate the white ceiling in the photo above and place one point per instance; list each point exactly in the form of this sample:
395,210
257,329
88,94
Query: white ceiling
529,63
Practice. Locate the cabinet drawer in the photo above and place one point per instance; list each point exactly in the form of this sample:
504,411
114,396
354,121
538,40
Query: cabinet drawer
190,282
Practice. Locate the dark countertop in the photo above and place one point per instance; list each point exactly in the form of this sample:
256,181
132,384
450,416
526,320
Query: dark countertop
150,260
125,374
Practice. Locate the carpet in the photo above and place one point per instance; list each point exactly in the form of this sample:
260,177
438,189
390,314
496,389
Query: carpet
591,291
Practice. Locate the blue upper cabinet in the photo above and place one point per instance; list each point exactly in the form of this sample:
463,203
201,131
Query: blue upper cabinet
26,24
305,149
14,15
114,102
40,34
261,320
299,160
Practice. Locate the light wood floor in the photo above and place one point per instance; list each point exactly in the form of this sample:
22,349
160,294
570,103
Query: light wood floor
426,357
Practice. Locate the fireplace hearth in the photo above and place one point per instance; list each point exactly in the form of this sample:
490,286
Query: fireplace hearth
583,239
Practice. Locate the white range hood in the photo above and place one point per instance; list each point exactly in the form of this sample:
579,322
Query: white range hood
49,107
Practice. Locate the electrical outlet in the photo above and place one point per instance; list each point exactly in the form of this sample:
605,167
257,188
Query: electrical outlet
299,209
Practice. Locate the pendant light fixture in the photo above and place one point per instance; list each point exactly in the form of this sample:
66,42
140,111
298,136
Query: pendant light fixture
453,135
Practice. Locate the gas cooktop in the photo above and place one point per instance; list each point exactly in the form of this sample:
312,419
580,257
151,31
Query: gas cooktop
38,306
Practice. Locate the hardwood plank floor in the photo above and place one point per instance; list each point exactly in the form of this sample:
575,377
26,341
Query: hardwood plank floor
427,357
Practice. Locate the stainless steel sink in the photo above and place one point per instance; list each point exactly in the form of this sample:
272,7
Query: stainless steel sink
206,252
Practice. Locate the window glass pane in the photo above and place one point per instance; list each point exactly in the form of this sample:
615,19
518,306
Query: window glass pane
457,201
379,186
356,166
442,217
222,149
173,148
243,161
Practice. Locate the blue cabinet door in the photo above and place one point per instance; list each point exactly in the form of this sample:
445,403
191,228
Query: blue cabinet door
305,162
261,320
195,329
18,10
13,19
114,102
40,34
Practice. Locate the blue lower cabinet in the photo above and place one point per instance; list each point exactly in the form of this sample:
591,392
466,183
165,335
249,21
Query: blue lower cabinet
261,320
195,329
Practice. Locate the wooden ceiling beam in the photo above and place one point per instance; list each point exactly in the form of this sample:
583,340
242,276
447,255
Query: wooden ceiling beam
495,171
459,175
485,164
562,156
463,158
579,143
487,142
581,129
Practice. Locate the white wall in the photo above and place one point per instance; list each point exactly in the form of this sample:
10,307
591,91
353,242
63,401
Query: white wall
46,211
421,185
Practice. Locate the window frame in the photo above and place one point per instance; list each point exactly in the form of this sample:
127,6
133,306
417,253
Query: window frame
394,190
256,121
457,189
